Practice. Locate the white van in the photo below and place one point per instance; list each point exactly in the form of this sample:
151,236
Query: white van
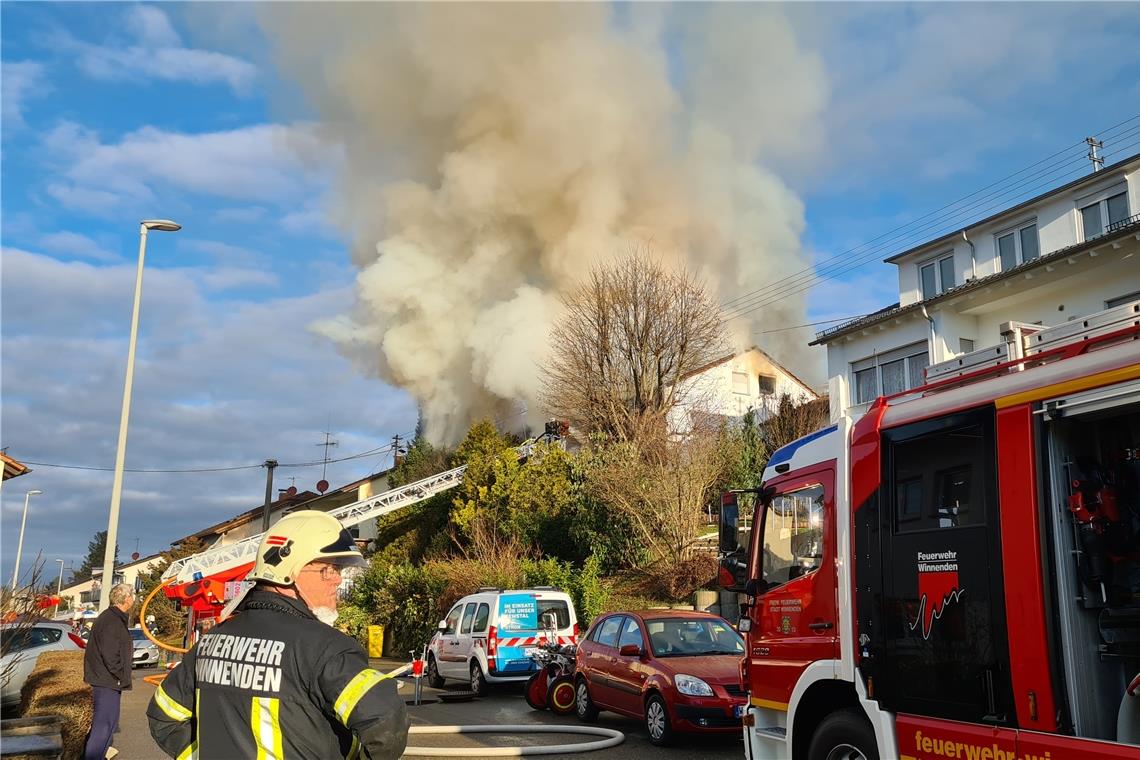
486,635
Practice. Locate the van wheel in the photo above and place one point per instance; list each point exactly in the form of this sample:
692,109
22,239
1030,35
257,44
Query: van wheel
435,680
478,682
846,735
657,721
584,706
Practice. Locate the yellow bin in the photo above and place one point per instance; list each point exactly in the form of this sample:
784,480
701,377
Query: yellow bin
375,641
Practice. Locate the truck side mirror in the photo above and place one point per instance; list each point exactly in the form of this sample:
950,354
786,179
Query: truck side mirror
729,519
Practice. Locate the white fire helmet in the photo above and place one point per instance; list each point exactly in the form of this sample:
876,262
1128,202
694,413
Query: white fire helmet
298,539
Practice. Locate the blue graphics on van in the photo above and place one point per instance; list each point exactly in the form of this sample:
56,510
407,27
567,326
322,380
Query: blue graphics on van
518,614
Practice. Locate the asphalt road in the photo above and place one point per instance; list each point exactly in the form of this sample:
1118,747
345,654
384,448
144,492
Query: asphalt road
503,706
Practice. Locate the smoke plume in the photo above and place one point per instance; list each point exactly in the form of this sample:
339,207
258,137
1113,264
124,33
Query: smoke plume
494,153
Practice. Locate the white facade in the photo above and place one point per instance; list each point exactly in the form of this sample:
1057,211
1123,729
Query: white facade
734,385
85,595
1061,256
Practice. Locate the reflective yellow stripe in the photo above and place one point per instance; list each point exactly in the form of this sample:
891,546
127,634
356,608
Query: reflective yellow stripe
190,753
265,721
354,750
173,710
1123,374
355,690
771,704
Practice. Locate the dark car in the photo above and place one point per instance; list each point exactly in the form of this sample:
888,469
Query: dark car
676,670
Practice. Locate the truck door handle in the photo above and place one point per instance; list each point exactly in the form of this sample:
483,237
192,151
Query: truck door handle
820,626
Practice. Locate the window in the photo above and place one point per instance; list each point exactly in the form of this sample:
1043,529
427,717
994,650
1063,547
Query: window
740,382
936,276
453,619
481,618
556,607
767,385
892,372
15,640
793,536
938,479
631,634
608,631
965,345
1121,300
1017,246
468,617
1099,216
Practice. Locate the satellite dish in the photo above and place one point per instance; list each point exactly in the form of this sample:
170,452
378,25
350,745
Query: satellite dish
292,490
322,486
135,555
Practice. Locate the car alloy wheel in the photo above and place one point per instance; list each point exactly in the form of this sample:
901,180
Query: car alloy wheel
478,682
657,721
587,712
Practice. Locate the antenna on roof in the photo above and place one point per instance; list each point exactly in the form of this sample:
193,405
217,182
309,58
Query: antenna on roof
1097,161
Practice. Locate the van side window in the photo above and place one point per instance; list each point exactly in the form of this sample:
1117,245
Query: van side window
468,616
453,618
608,633
939,481
481,618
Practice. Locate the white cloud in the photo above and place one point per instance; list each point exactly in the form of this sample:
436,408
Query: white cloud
156,52
255,163
73,244
226,278
217,383
20,81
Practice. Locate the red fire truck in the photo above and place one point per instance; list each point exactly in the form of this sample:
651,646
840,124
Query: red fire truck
956,573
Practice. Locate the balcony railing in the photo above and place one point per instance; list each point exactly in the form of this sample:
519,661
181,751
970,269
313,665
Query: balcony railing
1135,218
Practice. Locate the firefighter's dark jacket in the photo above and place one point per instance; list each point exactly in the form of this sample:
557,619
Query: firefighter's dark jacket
109,657
275,682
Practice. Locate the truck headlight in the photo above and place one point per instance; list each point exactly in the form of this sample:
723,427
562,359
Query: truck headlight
692,686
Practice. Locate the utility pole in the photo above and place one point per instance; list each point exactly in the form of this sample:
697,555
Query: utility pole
1097,161
269,465
396,450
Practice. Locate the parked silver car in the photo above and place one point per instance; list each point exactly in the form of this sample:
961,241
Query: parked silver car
146,652
23,646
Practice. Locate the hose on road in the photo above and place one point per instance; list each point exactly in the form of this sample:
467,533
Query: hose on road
611,738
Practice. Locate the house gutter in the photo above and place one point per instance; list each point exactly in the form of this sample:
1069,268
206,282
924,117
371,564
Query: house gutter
933,334
973,256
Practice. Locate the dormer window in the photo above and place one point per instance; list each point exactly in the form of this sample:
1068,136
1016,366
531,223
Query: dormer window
936,276
1099,216
1017,246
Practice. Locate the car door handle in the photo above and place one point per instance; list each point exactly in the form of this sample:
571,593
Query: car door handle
820,626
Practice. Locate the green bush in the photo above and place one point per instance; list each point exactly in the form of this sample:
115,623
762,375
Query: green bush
584,585
402,597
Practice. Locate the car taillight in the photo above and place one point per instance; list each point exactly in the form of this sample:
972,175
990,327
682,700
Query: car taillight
79,642
492,642
575,633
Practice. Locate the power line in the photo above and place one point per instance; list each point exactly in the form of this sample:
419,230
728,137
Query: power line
799,281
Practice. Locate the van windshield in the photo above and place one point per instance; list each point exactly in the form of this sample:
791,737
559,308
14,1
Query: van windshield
524,612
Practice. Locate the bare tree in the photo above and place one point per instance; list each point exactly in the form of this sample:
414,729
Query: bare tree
631,333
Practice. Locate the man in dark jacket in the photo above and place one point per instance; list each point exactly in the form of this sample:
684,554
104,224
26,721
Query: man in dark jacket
107,664
276,679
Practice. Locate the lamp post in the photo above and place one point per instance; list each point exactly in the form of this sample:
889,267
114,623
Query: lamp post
163,225
20,546
58,589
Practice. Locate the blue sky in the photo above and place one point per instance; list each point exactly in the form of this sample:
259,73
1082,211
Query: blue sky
117,112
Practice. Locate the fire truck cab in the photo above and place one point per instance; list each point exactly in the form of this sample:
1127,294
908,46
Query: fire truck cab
956,573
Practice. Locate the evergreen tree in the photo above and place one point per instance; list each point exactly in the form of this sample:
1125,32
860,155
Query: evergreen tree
95,549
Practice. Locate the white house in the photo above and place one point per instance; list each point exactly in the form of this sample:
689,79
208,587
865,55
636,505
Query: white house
85,594
1065,254
733,384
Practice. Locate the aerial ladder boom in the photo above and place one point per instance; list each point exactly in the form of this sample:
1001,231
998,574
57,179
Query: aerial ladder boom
222,559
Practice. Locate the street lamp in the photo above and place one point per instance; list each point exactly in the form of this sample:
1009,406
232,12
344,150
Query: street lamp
20,546
162,225
58,589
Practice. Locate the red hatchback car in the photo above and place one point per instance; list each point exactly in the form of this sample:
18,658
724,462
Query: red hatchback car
676,670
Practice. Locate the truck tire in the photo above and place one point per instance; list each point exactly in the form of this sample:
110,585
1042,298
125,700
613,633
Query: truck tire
434,679
845,735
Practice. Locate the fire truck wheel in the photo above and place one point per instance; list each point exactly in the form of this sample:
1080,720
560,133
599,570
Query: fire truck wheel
478,682
846,735
657,721
560,696
434,679
535,691
584,706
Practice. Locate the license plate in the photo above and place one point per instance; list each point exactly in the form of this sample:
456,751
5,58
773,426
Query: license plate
738,711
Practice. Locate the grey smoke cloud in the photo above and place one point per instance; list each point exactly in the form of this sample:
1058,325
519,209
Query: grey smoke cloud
494,153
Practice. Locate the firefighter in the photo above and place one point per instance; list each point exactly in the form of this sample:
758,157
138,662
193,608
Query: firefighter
277,679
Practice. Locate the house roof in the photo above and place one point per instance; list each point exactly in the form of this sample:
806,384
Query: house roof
247,516
12,468
776,364
890,312
1087,179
